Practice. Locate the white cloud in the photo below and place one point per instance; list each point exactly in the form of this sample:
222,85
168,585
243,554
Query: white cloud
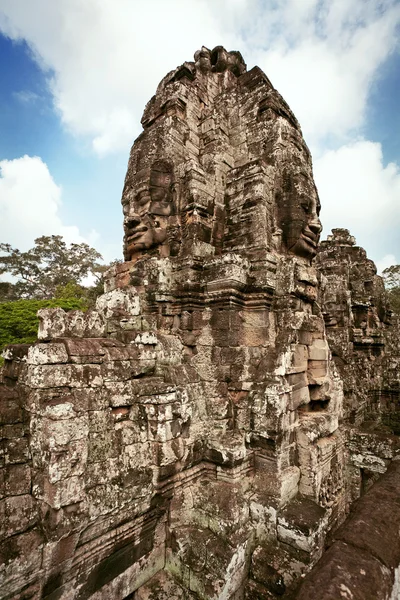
387,261
30,201
360,193
323,57
117,131
106,58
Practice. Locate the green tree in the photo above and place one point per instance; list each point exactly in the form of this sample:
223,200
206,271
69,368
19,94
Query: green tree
49,265
391,278
19,322
7,291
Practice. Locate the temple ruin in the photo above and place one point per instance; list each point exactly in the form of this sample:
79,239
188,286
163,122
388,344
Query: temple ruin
228,413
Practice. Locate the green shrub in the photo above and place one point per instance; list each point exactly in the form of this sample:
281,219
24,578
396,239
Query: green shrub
19,323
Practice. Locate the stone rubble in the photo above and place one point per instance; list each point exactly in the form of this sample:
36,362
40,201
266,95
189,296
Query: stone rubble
201,431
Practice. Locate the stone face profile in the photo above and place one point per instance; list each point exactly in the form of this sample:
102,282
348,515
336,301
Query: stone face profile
298,210
203,431
147,224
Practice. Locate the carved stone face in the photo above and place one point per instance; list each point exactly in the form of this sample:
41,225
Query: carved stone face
298,213
147,224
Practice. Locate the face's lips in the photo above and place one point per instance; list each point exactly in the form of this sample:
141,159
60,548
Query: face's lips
136,233
139,229
310,238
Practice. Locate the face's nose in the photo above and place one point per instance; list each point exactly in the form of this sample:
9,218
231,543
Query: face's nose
315,225
134,221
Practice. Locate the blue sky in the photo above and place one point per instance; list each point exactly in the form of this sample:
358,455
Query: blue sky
383,109
76,75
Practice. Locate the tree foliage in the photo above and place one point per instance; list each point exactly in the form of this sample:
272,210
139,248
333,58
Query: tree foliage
49,265
19,323
49,275
7,291
391,278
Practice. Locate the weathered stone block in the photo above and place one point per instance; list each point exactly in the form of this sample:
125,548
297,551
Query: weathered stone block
12,432
64,492
302,524
85,399
69,461
100,420
257,591
86,350
346,570
19,513
299,397
102,499
10,409
316,369
17,480
100,473
44,354
318,350
21,561
101,446
52,323
52,376
16,450
163,587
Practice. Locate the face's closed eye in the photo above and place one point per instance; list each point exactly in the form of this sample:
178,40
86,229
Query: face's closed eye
305,205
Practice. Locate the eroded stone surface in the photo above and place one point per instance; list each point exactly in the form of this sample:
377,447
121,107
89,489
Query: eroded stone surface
189,436
365,552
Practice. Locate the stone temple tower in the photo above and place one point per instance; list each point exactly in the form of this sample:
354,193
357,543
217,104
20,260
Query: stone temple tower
184,438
